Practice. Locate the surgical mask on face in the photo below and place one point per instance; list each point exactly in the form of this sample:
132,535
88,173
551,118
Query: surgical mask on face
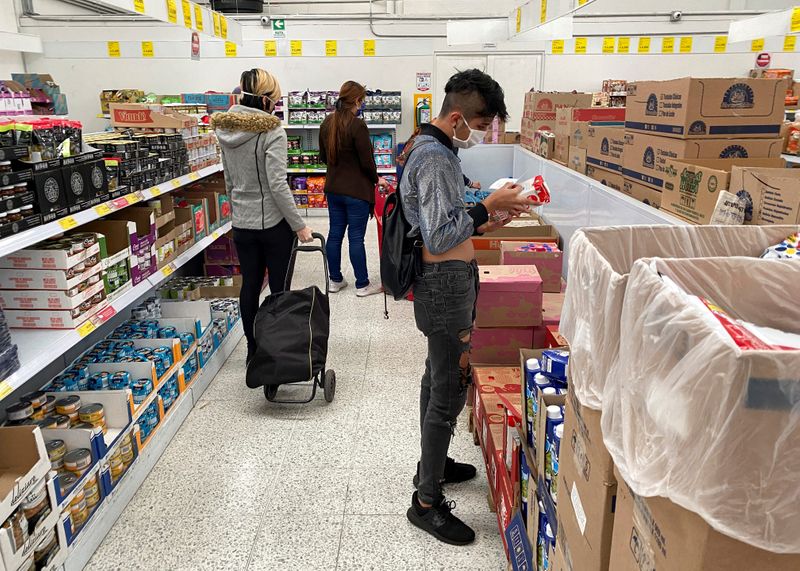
475,137
267,97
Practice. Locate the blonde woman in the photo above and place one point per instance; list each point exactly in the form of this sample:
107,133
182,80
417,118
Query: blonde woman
265,219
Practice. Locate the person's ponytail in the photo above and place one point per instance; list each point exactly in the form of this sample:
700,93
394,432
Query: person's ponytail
350,93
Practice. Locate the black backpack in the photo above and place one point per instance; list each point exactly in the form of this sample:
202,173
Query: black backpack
401,255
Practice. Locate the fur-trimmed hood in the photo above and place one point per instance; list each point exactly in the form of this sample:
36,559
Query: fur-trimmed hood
240,124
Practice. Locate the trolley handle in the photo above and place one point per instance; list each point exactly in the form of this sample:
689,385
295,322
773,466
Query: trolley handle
297,247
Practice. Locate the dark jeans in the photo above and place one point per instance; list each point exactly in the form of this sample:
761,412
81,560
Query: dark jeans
351,214
260,251
444,308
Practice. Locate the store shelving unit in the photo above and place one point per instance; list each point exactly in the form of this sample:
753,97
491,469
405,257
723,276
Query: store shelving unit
316,126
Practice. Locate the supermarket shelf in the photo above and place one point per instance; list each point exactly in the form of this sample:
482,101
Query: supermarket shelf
381,170
792,159
112,506
39,233
376,126
40,347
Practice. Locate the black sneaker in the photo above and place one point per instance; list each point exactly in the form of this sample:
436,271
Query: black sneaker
439,521
454,472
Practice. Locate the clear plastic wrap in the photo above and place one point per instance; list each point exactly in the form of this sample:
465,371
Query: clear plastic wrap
600,260
690,416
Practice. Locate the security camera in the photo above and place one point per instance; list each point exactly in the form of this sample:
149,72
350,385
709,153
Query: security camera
676,16
265,20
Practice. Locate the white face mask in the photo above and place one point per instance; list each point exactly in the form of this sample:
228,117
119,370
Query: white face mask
475,137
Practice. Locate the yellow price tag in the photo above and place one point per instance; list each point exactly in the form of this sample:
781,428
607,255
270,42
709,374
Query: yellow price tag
138,5
644,45
720,44
795,27
667,45
557,46
580,45
5,389
194,176
68,223
167,270
215,17
230,49
519,20
172,12
543,12
223,27
113,49
757,45
198,17
270,48
187,13
147,49
296,48
686,44
369,48
102,209
789,43
582,2
609,44
176,183
131,199
331,48
86,328
624,45
215,235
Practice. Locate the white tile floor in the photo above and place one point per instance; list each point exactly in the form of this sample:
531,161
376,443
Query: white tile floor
251,485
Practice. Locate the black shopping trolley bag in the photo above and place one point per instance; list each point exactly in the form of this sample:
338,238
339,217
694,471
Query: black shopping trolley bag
291,332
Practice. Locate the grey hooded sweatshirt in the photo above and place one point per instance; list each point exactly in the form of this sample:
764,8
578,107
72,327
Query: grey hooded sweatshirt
253,146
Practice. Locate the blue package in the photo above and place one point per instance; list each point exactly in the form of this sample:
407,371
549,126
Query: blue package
555,364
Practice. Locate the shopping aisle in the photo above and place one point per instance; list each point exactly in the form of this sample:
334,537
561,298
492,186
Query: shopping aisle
248,484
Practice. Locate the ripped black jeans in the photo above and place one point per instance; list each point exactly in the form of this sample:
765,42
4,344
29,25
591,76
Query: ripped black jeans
444,308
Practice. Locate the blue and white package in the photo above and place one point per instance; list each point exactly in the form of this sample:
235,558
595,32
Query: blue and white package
555,416
524,482
532,368
555,364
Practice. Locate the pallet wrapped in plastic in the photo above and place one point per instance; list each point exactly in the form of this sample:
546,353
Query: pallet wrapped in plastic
702,405
599,263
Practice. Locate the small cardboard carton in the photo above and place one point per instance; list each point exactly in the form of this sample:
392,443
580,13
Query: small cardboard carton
692,188
577,134
698,108
773,195
499,345
641,192
646,156
527,427
510,296
535,233
23,465
658,535
544,144
605,147
587,491
545,256
577,159
610,179
542,106
561,148
142,116
613,116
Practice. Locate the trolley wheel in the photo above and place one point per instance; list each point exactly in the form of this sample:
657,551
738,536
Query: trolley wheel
329,384
270,391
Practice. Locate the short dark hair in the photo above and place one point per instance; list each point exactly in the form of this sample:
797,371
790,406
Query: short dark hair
475,94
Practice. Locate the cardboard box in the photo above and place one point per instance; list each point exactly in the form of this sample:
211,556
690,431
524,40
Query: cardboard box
578,134
545,256
552,304
44,279
773,193
656,534
605,147
587,490
544,144
500,345
567,115
510,138
561,148
510,296
23,465
223,291
691,189
646,156
536,233
541,106
642,193
577,159
142,116
46,299
610,179
708,107
40,259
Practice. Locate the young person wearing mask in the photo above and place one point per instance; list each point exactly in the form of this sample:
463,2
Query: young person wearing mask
346,148
265,218
445,292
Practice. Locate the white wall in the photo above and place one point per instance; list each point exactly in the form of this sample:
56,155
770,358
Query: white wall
10,62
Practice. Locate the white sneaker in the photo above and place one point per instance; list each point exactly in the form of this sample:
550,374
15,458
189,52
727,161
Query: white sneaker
371,289
338,286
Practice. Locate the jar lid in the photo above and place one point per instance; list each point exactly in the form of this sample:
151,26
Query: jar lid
66,481
14,211
90,409
36,497
27,207
78,457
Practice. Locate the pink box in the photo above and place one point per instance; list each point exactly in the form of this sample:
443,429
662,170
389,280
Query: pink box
547,258
551,308
510,296
500,345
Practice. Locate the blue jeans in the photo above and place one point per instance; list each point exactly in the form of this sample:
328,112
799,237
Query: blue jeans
351,214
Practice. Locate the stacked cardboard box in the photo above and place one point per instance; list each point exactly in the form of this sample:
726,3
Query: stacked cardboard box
694,118
539,112
570,121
